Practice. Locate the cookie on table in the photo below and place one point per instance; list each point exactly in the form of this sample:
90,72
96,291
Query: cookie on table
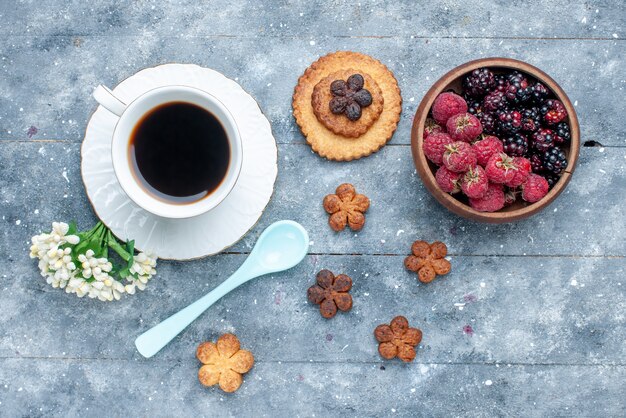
337,135
223,363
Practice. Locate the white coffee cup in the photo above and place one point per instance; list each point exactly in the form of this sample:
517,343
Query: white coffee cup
130,115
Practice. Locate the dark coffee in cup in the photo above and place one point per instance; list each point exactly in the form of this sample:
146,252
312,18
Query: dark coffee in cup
179,152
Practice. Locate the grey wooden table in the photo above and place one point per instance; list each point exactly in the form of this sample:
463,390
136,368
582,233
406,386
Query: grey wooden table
545,297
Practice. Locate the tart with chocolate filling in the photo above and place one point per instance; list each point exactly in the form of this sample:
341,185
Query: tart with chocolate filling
347,111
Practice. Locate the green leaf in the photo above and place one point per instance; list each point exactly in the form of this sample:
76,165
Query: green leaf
78,248
124,273
130,247
72,229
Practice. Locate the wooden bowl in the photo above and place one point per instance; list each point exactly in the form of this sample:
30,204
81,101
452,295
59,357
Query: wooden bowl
426,169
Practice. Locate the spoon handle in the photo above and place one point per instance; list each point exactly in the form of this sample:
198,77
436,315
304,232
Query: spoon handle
150,342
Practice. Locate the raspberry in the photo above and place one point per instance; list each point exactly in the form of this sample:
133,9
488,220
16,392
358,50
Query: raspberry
459,157
515,145
562,133
531,119
488,121
434,146
553,111
494,101
543,140
510,196
479,82
500,168
431,126
539,93
510,121
486,147
474,183
522,170
492,201
554,160
535,188
446,105
464,127
448,180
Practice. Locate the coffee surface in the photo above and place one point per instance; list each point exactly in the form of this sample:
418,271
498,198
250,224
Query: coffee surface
179,152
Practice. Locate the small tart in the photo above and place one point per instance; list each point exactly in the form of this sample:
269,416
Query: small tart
340,124
327,143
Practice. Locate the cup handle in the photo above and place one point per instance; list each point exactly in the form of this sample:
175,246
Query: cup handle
107,99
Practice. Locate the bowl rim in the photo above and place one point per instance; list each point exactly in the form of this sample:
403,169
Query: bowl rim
427,176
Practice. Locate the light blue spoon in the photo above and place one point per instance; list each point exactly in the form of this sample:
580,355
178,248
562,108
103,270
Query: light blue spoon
280,247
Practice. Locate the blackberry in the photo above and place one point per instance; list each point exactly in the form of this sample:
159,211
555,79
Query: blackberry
543,140
500,83
523,95
536,163
494,101
515,145
488,121
552,179
562,132
553,111
539,93
517,90
554,160
479,82
531,119
475,107
515,76
509,121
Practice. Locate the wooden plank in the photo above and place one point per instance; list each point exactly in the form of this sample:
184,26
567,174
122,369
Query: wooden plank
45,387
47,80
521,310
586,220
301,18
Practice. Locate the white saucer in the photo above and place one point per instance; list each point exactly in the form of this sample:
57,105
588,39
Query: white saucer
207,234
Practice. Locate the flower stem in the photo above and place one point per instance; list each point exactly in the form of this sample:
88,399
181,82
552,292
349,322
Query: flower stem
94,232
112,242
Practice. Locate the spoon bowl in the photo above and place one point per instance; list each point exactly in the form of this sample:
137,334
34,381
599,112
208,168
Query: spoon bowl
280,247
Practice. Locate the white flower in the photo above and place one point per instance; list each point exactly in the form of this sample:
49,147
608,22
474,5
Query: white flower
41,245
59,229
130,288
94,267
57,266
43,242
55,263
143,267
142,270
78,286
104,287
92,276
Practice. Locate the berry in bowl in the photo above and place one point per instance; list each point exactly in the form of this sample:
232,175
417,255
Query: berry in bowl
495,140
